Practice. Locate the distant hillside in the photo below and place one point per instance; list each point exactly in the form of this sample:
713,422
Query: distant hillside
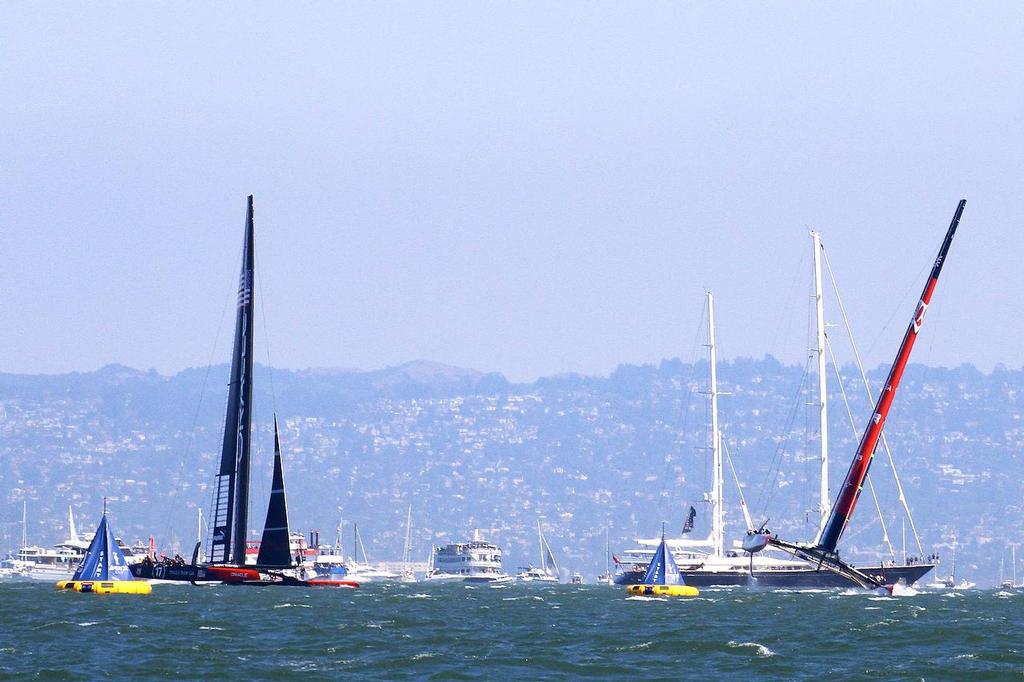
471,450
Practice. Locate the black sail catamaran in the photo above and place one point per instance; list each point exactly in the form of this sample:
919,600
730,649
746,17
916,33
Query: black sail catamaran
824,552
226,557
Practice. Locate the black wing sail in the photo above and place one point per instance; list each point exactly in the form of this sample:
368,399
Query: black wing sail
274,550
230,512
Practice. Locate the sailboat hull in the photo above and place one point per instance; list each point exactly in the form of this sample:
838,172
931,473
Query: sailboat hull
789,578
190,573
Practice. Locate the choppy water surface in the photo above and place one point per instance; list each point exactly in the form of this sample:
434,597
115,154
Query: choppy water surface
520,631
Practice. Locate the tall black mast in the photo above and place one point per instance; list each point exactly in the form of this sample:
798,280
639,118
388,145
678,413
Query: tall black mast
230,512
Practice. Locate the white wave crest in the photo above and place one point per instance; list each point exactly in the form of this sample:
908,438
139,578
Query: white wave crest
761,649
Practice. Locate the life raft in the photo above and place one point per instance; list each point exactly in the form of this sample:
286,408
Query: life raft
663,590
106,586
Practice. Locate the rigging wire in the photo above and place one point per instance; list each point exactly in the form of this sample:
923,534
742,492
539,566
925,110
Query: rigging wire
739,487
768,490
899,306
682,413
867,389
168,519
853,428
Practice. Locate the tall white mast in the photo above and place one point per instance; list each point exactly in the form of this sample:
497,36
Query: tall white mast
717,509
904,527
199,532
24,523
1013,558
408,530
540,543
824,506
72,533
608,562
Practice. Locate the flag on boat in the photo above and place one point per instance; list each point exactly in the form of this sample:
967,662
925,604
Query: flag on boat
688,525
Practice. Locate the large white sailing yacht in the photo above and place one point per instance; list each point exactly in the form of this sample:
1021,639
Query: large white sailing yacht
706,561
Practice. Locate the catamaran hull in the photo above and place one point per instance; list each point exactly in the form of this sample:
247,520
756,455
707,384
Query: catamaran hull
190,573
805,578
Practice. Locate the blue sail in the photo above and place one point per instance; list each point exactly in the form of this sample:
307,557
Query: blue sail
663,569
103,560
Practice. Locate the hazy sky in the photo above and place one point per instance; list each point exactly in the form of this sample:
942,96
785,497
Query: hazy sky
529,188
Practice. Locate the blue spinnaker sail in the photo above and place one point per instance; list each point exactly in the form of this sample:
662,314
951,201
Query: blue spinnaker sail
104,560
663,569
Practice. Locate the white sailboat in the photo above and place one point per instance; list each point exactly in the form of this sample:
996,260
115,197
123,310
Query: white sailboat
363,571
547,571
707,561
606,577
950,582
407,575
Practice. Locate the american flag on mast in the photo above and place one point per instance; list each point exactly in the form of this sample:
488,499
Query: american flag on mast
688,524
244,288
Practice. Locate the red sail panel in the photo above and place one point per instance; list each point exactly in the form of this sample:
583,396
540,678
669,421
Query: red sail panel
844,505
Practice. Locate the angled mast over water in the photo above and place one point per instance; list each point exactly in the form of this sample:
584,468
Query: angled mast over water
231,504
824,550
850,491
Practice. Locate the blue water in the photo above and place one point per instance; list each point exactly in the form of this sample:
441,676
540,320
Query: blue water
430,631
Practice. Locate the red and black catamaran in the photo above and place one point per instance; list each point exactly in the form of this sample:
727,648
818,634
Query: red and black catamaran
824,552
226,555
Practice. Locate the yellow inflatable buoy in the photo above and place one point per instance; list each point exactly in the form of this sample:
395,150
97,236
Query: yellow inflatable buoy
106,586
663,590
103,569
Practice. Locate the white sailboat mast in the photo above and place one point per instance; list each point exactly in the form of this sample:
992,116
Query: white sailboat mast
72,533
903,526
717,509
1013,558
824,505
199,530
408,530
540,543
608,554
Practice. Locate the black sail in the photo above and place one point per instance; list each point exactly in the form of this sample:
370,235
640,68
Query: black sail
230,512
274,551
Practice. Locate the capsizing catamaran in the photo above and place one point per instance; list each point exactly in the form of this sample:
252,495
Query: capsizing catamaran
824,552
226,560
